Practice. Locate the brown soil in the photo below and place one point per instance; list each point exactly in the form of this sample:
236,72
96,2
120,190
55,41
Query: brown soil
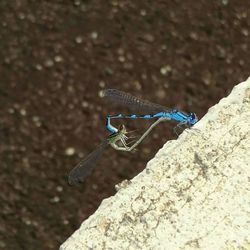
55,58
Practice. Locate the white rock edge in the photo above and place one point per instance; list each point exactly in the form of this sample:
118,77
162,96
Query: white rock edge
194,194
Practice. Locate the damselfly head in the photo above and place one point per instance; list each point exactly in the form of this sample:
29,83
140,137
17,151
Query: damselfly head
122,129
193,118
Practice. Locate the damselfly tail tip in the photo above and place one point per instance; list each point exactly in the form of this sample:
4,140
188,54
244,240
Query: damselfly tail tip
71,182
74,182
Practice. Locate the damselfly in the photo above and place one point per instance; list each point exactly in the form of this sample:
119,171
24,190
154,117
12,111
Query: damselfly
150,110
85,166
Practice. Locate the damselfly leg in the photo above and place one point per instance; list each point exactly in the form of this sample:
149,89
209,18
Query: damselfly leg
126,148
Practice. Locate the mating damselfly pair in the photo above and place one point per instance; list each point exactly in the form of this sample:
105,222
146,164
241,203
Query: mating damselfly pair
117,139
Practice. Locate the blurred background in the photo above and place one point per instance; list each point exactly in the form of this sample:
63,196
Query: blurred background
55,58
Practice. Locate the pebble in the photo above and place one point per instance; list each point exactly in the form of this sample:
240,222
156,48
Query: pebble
160,94
39,67
37,121
85,104
77,2
143,12
55,199
78,39
48,63
23,112
101,84
121,59
11,110
245,32
149,38
225,2
120,51
165,70
70,151
65,222
94,35
137,85
58,58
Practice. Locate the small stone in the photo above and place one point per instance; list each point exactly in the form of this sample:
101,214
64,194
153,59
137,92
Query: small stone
122,185
83,8
101,94
36,118
70,88
163,47
58,58
128,66
31,18
71,106
37,121
7,60
94,186
146,150
27,221
40,92
59,189
21,16
94,35
137,85
25,162
11,111
121,59
55,199
77,2
149,38
241,62
101,84
165,70
166,85
143,12
194,36
85,104
78,39
48,63
70,151
3,245
65,222
221,53
23,112
39,67
160,94
244,46
245,32
120,51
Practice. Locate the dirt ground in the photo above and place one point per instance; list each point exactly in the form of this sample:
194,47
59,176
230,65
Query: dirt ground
55,58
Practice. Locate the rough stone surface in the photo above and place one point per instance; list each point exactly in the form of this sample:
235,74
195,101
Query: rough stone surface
193,195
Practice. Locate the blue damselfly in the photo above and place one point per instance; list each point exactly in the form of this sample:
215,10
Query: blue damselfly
150,110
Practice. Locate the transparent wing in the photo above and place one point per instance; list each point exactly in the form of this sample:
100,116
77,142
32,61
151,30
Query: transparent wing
134,103
85,166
